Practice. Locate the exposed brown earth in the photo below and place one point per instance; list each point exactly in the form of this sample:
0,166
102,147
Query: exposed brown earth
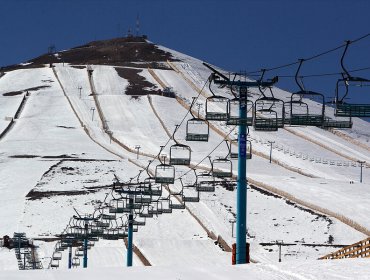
129,51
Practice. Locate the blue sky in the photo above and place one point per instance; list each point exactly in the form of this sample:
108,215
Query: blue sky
233,34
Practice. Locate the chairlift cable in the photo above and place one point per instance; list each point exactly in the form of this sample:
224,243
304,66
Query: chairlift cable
309,58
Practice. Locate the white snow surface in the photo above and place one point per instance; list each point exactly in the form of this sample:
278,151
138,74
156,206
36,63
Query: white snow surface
58,155
313,270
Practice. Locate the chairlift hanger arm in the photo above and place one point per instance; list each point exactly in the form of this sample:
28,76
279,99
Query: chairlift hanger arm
342,59
174,132
245,84
215,72
296,75
348,76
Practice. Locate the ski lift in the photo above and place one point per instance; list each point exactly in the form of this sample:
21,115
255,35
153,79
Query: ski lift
102,224
233,117
54,264
216,107
197,129
206,182
131,205
335,123
190,193
76,261
165,204
153,189
79,251
176,199
303,113
145,212
268,112
180,154
234,153
222,167
106,216
344,109
95,230
116,206
155,208
164,173
110,234
176,203
57,256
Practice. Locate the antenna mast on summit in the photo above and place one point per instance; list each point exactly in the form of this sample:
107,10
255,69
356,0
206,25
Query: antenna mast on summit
137,25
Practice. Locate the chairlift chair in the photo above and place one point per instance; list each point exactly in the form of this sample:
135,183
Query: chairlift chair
234,153
54,264
233,117
107,217
301,111
206,182
96,231
142,195
222,168
57,256
122,233
165,174
190,193
165,204
344,109
155,208
216,108
153,189
139,221
102,224
335,123
116,206
110,234
265,120
145,213
176,199
180,154
131,205
76,261
79,251
197,129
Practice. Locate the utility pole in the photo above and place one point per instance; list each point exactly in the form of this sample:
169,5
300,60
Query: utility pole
232,227
130,233
241,194
271,142
110,133
361,165
93,110
86,220
85,245
199,105
137,148
105,125
279,243
70,257
80,89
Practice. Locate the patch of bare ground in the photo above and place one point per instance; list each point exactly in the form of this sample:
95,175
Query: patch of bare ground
128,51
138,85
13,93
23,156
35,195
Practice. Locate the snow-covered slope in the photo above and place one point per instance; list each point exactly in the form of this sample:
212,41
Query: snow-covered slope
77,132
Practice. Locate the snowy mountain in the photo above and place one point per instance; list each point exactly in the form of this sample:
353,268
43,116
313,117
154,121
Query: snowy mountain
72,122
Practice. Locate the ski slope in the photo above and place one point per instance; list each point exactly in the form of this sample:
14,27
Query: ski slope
59,153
